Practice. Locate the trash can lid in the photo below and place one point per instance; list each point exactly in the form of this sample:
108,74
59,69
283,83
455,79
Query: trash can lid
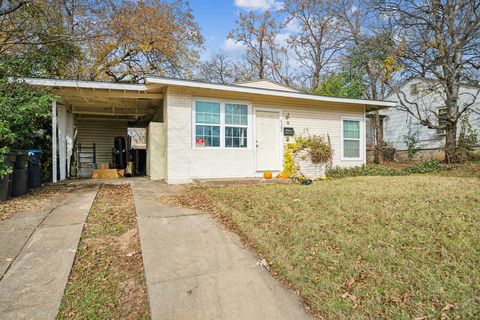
19,151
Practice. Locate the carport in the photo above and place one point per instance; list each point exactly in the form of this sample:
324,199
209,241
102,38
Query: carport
87,115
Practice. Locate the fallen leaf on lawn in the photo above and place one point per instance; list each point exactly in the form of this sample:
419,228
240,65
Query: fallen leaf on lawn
448,307
347,295
131,253
263,263
402,299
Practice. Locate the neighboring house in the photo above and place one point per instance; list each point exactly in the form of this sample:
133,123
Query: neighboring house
199,130
399,124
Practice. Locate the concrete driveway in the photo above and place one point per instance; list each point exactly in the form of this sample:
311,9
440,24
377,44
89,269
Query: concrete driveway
36,255
196,269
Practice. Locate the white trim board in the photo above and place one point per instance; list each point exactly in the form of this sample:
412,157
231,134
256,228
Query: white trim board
270,92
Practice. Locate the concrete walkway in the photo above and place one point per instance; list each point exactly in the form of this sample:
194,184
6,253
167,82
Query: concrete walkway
41,247
195,269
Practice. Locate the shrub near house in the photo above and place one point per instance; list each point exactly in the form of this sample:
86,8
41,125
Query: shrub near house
307,157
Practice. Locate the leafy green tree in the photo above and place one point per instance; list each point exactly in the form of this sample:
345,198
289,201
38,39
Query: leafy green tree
33,42
342,85
24,118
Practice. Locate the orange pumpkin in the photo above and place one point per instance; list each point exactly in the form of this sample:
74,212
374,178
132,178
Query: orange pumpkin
267,175
282,175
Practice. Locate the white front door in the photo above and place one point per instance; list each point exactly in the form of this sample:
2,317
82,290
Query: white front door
267,128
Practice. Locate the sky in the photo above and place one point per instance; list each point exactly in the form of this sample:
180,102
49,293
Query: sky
216,19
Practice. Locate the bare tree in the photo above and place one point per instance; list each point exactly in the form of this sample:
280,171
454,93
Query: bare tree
318,39
243,71
257,33
439,40
219,68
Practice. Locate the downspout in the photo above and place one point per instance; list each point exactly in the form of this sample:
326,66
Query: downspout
364,144
54,141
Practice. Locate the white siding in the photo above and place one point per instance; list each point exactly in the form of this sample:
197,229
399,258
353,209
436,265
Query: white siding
398,122
186,163
102,133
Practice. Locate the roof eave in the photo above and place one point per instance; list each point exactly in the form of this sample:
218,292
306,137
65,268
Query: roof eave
278,93
81,84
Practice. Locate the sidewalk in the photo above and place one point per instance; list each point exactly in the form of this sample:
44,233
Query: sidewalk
196,269
42,247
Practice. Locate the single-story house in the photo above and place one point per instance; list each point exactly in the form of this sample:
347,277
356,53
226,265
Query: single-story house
399,125
200,130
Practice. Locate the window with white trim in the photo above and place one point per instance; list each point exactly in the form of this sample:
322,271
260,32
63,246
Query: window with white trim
236,125
221,124
351,138
207,123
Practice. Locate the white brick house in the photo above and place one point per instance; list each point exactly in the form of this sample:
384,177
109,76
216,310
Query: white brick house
199,130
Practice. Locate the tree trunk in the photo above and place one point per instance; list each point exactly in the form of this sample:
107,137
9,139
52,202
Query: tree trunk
451,143
378,152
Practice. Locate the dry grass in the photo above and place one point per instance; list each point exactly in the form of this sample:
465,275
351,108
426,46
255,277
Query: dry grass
107,280
39,199
367,247
468,170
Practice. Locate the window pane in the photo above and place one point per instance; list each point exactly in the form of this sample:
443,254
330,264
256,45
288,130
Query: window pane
351,148
211,135
207,112
235,137
351,129
236,114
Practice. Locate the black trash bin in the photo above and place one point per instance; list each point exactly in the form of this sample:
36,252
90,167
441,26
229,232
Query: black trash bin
20,175
5,185
139,158
34,168
119,152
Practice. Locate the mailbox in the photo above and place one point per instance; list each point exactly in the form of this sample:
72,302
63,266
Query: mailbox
288,132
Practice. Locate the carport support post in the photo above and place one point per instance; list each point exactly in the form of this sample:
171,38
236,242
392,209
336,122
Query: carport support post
62,140
54,141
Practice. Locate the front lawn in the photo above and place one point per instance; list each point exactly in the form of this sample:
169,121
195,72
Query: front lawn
366,247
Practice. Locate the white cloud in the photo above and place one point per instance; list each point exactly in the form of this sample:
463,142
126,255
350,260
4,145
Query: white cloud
293,26
234,49
282,39
259,4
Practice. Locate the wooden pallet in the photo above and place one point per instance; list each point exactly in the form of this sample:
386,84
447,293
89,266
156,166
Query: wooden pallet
108,173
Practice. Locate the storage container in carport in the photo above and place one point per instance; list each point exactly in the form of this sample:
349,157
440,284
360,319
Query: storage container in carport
34,168
5,185
20,175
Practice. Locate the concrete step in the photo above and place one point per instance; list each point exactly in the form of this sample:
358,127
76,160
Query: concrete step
239,181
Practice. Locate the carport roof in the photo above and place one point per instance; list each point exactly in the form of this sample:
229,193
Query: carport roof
104,99
84,84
